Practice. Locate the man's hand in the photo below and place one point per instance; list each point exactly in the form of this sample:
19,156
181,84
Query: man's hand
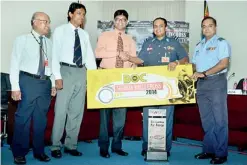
172,66
53,91
16,95
197,75
59,84
134,66
124,56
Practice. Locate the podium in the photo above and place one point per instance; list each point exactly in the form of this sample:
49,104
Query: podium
156,135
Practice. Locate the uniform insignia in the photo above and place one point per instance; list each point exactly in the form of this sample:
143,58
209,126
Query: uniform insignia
170,48
148,38
221,39
149,48
197,52
211,48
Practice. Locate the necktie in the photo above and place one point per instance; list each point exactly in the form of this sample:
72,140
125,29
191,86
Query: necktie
77,50
41,69
119,61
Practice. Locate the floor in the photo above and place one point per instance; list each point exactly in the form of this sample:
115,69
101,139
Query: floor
182,153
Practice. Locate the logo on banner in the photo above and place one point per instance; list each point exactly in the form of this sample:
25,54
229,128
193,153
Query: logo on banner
134,78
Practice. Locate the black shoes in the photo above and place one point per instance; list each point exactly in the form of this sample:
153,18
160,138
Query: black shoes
104,154
168,154
72,152
120,152
20,160
42,157
56,154
214,159
205,156
218,160
144,152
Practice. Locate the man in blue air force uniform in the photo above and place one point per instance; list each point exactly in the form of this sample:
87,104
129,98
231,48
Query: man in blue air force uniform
210,61
161,50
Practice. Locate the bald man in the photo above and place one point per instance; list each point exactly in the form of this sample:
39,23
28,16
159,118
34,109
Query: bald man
32,86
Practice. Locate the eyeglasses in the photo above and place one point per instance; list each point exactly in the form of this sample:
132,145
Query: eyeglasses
44,21
122,20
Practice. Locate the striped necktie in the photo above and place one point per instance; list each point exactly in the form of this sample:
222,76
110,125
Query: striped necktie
77,50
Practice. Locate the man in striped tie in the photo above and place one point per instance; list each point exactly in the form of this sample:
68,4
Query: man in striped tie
72,56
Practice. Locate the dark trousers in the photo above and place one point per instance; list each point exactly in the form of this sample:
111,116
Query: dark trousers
34,104
118,121
212,102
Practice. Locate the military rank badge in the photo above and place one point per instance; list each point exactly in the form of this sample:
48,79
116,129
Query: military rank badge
170,48
211,48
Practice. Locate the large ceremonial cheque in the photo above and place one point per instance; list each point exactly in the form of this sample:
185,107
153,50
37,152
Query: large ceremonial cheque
142,86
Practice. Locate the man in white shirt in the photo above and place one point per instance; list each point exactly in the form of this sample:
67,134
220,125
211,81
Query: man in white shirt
32,85
72,56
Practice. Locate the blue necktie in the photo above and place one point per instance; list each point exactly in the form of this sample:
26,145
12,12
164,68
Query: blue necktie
77,50
41,69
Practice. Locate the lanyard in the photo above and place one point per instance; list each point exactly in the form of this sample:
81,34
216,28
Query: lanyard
40,45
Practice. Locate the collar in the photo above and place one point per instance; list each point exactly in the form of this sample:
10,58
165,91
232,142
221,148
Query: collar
72,26
165,39
211,40
118,31
37,35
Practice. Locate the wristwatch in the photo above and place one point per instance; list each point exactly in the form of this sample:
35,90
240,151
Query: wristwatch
204,73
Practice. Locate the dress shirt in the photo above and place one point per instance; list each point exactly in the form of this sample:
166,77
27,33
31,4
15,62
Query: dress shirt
154,51
26,55
208,54
107,48
63,48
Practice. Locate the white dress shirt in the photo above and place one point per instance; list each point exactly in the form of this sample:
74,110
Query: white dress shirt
63,48
26,55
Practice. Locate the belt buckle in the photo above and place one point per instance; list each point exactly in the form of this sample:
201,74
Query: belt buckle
81,66
43,77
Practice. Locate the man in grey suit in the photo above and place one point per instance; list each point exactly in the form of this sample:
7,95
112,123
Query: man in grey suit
72,56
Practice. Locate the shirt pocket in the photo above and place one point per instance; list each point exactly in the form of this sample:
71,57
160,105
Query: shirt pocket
172,54
111,46
31,52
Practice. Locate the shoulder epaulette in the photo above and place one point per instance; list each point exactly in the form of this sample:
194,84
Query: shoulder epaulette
147,39
221,39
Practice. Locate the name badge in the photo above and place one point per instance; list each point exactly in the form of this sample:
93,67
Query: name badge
165,59
46,63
